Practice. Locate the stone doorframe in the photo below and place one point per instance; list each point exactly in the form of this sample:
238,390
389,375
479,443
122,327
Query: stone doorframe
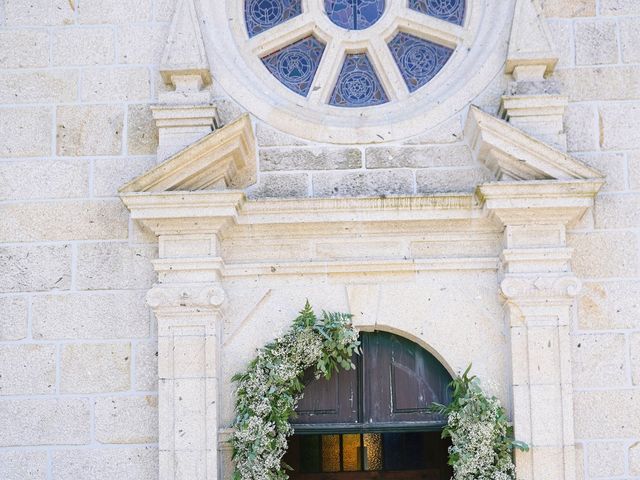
539,191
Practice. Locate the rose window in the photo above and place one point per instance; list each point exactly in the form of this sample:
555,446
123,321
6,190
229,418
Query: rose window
354,53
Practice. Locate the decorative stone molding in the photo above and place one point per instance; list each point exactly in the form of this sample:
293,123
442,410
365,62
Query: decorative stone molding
216,240
184,62
531,54
511,154
195,296
224,158
238,68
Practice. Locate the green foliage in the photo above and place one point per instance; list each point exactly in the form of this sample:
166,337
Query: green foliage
480,432
269,389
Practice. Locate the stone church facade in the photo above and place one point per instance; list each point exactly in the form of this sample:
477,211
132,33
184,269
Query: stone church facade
169,201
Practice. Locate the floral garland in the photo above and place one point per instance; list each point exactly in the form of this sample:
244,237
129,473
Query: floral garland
269,390
481,435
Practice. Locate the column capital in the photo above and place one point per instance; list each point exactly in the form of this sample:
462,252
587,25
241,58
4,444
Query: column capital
183,297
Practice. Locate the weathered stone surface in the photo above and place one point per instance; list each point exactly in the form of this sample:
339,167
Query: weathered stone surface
89,130
562,36
106,464
127,419
599,361
44,422
124,84
38,86
23,465
95,315
605,414
13,318
596,42
418,157
270,137
110,174
581,127
24,48
617,126
35,268
634,349
432,180
606,459
634,170
68,220
26,132
449,131
309,159
617,211
47,179
110,266
146,366
610,305
27,369
630,39
569,8
95,367
634,459
619,7
113,11
374,182
600,83
281,186
611,165
83,46
604,254
141,44
142,137
38,12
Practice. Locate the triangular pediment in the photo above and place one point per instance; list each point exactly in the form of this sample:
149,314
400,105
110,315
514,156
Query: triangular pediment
223,159
511,154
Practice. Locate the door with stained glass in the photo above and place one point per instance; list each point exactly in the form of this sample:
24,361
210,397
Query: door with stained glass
374,422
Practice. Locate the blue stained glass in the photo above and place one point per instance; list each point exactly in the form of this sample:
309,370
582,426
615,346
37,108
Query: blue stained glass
296,65
449,10
358,85
354,14
261,15
419,60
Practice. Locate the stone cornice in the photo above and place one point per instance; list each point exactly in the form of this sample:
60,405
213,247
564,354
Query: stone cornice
535,202
511,154
224,158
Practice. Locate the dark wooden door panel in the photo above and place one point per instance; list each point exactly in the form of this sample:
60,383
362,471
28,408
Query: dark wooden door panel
401,380
395,382
329,401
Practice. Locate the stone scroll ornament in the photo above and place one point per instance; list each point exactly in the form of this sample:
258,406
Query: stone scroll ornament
269,389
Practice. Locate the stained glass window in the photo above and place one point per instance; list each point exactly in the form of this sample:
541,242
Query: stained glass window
296,65
354,14
261,15
358,85
449,10
419,60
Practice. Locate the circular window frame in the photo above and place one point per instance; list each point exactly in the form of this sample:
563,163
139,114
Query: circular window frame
237,66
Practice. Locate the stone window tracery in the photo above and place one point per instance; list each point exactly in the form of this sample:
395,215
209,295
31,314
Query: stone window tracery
359,67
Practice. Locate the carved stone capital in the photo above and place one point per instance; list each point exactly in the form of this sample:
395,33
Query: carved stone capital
540,287
188,296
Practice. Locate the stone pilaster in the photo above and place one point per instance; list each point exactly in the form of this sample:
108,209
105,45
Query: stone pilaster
539,290
189,331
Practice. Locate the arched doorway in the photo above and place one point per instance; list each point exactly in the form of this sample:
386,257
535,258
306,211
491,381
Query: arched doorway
373,422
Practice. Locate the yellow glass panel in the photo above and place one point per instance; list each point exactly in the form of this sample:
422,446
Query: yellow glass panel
351,444
331,453
373,451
